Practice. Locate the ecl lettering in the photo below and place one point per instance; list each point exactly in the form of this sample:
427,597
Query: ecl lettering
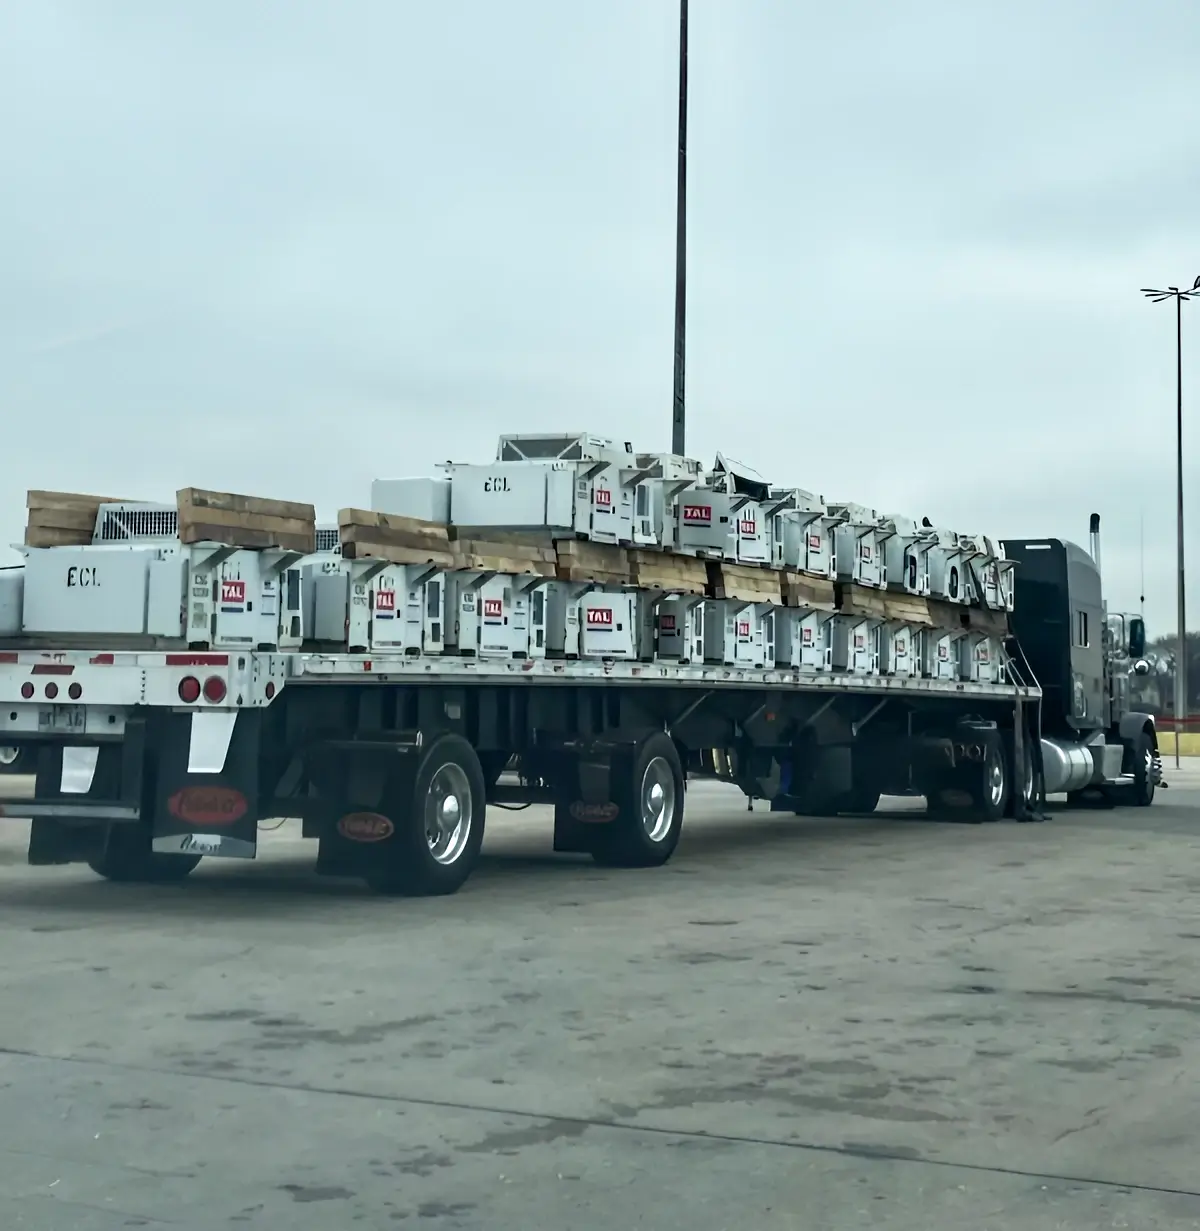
496,485
80,575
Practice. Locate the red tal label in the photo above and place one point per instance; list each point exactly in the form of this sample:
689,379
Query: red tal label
865,551
599,617
208,805
806,636
901,646
385,600
666,623
748,527
233,592
860,642
603,498
697,514
493,608
814,542
743,628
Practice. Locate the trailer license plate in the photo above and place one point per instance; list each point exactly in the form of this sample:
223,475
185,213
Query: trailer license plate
62,718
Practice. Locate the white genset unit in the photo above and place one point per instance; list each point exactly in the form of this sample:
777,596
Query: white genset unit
940,654
739,634
396,607
679,625
802,533
906,555
980,659
579,485
593,622
496,615
804,639
859,535
200,594
663,477
900,650
424,498
855,644
948,568
990,575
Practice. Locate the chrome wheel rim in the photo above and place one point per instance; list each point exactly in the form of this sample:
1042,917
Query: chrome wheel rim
8,755
658,799
995,783
1029,792
448,813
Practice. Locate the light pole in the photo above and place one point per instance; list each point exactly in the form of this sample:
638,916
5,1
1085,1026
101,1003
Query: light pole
678,436
1181,671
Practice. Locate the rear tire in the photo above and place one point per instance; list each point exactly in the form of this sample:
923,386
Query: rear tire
1142,770
128,859
649,797
438,815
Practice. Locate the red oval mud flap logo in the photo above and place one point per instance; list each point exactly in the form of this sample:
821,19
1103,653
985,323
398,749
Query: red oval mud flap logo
208,805
594,813
365,827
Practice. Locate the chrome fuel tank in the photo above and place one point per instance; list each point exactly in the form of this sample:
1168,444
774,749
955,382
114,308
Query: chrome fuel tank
1069,767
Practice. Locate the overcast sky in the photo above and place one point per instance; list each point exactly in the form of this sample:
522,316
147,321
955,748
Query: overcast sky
285,248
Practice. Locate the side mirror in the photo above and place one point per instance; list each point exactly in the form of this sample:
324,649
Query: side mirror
1137,637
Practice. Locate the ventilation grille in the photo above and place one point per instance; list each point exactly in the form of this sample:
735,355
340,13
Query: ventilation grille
327,539
123,523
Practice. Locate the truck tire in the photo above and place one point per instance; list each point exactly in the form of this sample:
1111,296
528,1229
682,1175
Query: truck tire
127,858
977,791
1142,791
438,823
649,797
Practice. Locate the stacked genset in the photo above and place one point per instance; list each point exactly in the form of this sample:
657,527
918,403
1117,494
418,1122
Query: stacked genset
572,546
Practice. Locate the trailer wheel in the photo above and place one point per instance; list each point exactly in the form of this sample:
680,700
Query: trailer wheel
1143,770
991,788
438,824
127,858
645,831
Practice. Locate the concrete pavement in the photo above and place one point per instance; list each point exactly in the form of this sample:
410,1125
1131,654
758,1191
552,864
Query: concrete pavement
869,1022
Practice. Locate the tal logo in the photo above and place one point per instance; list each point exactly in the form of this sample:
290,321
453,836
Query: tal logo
743,628
901,646
806,636
599,617
748,527
385,601
233,592
603,498
493,609
666,624
864,551
814,542
697,514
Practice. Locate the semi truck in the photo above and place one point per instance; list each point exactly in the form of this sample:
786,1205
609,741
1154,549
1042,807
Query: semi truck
575,624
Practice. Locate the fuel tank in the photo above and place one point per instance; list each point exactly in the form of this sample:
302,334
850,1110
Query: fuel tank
1069,767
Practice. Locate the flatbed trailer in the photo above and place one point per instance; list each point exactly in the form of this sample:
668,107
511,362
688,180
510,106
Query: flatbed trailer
554,675
390,762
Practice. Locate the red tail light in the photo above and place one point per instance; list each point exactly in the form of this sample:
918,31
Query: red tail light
214,689
51,690
27,690
75,692
189,690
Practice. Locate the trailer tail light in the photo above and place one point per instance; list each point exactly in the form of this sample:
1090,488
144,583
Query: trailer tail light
214,689
27,690
189,690
75,692
51,690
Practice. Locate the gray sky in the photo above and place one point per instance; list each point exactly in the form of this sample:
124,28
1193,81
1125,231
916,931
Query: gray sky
285,248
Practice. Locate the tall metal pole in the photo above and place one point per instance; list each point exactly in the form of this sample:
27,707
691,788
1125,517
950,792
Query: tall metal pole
1181,671
678,434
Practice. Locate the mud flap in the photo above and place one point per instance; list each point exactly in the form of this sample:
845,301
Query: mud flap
584,804
54,842
355,814
206,795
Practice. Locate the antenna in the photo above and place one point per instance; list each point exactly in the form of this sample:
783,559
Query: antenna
1142,551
